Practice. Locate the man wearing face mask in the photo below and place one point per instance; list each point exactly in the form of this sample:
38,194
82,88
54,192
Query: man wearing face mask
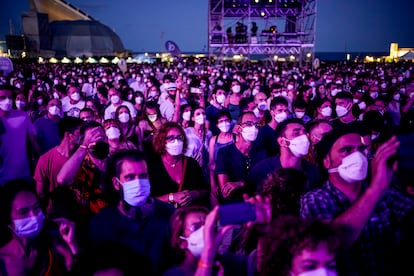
47,134
343,108
135,219
235,160
115,98
85,168
17,139
294,144
367,205
74,104
167,106
266,139
261,110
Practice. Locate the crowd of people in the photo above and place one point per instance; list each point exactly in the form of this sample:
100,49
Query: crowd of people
105,171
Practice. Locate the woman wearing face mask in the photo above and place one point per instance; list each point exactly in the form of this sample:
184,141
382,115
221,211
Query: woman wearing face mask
224,138
38,105
129,129
198,137
176,178
25,247
21,102
115,137
139,103
232,102
324,109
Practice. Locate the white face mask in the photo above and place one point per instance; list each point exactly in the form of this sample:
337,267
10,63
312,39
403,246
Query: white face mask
341,111
334,92
123,117
20,104
152,117
326,111
224,126
200,119
255,91
319,272
221,98
138,100
299,114
6,104
29,227
374,95
250,133
55,95
187,115
174,148
196,242
299,146
236,89
40,101
280,117
290,87
396,97
130,96
353,168
115,99
54,110
137,191
75,96
262,106
362,105
113,133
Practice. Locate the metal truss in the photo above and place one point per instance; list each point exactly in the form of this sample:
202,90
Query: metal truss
297,38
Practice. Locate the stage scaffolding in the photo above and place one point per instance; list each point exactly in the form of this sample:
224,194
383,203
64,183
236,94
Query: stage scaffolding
266,29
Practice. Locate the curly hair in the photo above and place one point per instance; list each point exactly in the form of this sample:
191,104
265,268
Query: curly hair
289,237
159,139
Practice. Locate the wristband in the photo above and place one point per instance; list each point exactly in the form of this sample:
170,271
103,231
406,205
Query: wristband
171,197
204,265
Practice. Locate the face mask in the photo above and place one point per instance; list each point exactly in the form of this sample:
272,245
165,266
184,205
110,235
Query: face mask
55,95
29,227
250,133
6,104
224,126
299,114
396,97
55,82
341,111
137,191
90,80
123,117
383,85
187,115
402,90
374,136
200,119
152,117
54,110
20,104
115,99
334,92
374,95
326,111
138,100
152,94
353,168
236,89
113,133
174,148
289,87
255,91
299,146
319,272
40,101
280,117
75,96
394,81
221,99
100,150
262,106
362,105
130,96
400,79
196,242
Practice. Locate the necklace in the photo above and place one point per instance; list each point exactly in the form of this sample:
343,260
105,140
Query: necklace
172,165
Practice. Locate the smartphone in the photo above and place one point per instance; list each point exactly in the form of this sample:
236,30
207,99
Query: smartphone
237,213
195,90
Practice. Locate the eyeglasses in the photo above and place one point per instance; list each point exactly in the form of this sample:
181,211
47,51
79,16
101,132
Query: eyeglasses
250,124
172,138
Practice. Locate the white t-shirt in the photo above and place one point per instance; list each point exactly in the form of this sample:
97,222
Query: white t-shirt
110,110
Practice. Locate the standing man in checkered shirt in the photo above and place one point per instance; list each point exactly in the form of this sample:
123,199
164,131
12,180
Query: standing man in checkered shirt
366,204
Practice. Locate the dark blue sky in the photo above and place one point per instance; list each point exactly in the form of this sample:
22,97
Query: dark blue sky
144,25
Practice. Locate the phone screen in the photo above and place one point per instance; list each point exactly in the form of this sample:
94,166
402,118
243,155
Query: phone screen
237,213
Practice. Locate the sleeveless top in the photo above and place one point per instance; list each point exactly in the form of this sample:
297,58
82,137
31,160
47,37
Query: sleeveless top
234,111
218,146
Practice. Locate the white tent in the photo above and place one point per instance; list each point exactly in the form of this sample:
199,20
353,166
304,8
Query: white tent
408,56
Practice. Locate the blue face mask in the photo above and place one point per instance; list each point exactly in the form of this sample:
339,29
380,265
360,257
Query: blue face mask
29,227
137,191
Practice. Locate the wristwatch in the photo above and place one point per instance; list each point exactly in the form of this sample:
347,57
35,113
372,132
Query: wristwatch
171,198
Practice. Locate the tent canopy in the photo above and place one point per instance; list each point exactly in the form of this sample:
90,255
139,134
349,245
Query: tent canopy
408,56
